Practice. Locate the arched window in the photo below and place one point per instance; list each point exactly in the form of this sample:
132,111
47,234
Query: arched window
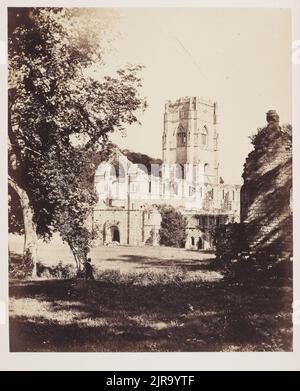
181,136
206,167
192,241
204,134
178,171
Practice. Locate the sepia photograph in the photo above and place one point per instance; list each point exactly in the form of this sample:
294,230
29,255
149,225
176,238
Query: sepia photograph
150,200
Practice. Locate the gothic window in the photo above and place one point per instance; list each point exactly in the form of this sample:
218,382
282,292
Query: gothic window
204,135
121,171
206,167
178,171
192,241
205,221
181,136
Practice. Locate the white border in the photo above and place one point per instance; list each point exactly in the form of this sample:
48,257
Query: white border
146,361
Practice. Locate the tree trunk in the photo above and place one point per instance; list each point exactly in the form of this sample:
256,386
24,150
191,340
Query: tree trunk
30,242
79,260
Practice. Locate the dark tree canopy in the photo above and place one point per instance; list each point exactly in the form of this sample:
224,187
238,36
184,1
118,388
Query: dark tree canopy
173,227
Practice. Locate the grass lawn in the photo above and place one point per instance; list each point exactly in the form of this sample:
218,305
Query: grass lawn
120,258
151,299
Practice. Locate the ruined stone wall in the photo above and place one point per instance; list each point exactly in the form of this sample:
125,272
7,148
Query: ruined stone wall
105,221
266,209
138,225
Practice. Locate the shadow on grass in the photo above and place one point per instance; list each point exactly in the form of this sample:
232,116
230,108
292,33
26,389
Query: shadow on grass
188,264
71,315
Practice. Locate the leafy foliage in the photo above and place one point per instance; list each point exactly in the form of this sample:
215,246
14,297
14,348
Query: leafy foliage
260,137
230,240
59,115
173,227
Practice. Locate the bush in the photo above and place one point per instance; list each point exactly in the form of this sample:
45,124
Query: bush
230,240
173,276
19,267
59,271
260,270
173,227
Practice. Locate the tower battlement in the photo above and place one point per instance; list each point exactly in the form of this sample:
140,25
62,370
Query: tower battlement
193,102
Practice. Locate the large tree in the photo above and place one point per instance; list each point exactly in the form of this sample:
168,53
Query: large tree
59,115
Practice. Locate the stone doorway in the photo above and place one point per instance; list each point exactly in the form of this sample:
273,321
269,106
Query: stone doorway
111,232
115,234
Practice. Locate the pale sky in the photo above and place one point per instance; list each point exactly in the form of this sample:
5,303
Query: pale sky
240,58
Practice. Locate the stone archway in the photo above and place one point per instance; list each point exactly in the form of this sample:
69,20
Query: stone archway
111,232
115,234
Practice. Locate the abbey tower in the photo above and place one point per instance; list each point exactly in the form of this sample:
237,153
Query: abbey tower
128,207
190,135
